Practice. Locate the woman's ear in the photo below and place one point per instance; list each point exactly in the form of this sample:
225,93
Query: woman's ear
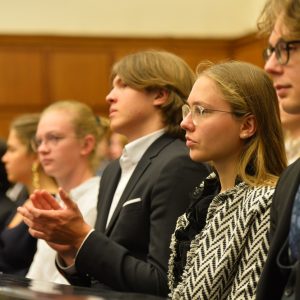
160,97
248,127
88,144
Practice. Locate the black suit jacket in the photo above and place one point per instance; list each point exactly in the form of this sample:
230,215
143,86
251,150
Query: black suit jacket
273,283
132,253
7,207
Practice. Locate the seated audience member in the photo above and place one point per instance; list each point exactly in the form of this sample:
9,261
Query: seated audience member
66,139
225,122
17,246
6,205
291,128
141,194
280,279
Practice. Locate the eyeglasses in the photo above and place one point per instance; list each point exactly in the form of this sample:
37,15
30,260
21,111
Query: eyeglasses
50,139
282,51
198,112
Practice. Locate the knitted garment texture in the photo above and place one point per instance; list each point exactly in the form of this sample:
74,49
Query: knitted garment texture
226,258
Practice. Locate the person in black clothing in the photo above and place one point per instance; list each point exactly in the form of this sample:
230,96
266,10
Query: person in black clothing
17,247
281,275
6,205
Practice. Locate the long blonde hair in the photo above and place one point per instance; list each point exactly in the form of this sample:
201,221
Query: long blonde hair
249,90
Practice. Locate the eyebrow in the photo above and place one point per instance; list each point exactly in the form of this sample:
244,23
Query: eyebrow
51,132
201,103
117,80
196,102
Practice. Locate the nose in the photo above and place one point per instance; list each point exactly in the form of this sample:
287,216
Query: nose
42,147
3,158
272,66
187,123
110,96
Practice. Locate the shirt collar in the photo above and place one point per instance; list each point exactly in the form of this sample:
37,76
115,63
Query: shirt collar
136,149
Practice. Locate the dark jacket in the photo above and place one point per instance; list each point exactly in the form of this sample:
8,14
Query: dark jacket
276,280
132,253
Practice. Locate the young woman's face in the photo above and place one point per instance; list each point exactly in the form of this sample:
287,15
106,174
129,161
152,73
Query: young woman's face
216,136
59,149
18,161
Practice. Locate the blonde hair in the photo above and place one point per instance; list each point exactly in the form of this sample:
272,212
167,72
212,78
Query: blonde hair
249,90
83,119
104,129
159,70
288,10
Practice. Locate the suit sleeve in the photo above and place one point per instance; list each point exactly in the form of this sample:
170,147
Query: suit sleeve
110,263
283,200
273,278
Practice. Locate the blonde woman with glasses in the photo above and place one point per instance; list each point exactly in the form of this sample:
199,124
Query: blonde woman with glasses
65,141
232,120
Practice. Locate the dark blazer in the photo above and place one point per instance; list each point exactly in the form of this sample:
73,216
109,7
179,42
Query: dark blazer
274,282
132,253
7,207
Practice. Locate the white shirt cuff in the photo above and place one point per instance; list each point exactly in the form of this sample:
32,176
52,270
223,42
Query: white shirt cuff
71,269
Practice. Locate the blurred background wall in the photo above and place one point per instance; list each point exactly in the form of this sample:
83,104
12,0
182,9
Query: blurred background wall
52,49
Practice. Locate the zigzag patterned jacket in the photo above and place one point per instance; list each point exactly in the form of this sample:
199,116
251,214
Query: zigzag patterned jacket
225,259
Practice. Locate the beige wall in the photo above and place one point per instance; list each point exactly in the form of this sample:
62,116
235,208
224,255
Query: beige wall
145,18
63,49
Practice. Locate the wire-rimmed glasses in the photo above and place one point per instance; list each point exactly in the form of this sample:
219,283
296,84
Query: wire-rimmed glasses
50,139
198,111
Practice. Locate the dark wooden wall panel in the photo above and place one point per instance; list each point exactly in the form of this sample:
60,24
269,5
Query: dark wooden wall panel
21,77
249,49
37,70
79,75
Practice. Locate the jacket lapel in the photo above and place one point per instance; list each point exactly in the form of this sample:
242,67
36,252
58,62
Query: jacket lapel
140,169
108,185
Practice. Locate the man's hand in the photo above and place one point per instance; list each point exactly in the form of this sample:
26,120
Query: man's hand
62,227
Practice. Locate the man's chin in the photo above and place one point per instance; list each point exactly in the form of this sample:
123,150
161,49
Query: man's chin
290,106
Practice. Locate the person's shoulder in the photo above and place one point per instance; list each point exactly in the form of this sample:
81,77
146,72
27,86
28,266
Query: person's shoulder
294,167
7,207
259,197
176,145
176,153
290,176
261,191
112,165
167,140
265,191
